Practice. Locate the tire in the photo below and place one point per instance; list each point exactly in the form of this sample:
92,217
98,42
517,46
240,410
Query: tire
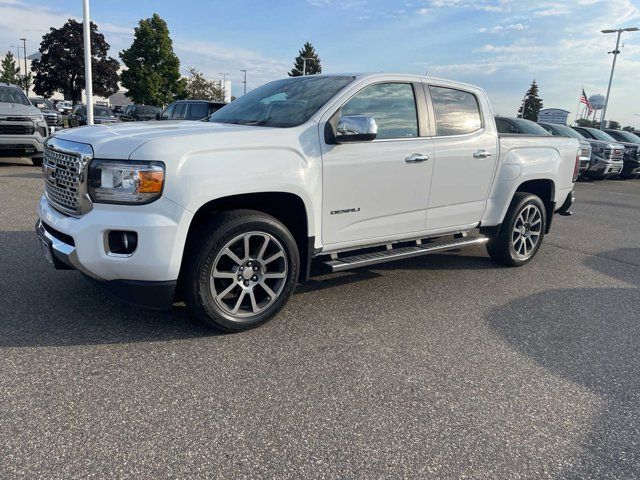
37,161
246,289
515,243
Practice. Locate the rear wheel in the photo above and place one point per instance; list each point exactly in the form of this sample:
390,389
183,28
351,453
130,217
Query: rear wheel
241,270
521,232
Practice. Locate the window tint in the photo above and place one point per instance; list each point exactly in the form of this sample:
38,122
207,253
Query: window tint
456,112
198,111
392,105
504,126
13,95
168,112
178,112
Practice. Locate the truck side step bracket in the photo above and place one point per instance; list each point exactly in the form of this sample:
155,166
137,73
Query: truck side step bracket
366,259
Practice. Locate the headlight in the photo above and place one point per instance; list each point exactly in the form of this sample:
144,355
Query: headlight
37,118
119,181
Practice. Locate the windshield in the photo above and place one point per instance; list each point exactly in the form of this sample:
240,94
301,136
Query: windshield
600,135
528,127
565,131
42,101
283,103
147,110
102,112
13,95
625,136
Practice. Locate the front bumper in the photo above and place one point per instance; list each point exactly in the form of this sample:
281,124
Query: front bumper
21,145
148,276
606,168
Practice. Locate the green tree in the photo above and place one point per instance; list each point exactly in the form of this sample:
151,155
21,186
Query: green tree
532,103
9,71
585,122
25,81
153,70
312,63
614,125
198,87
61,68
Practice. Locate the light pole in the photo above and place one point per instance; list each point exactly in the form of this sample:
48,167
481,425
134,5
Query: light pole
88,80
244,90
24,48
304,65
613,66
224,84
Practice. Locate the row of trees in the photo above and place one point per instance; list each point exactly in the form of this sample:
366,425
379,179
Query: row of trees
152,69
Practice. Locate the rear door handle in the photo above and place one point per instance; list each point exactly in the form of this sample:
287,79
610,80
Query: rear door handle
482,154
416,157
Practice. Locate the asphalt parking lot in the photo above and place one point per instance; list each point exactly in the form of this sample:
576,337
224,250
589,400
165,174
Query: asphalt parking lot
447,366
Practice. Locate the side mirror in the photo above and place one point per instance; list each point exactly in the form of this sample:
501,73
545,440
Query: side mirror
356,128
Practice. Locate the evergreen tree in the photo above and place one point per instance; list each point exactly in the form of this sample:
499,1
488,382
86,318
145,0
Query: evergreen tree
153,69
61,68
532,103
9,71
313,62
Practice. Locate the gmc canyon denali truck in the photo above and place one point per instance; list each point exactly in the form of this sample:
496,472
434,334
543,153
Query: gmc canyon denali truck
302,175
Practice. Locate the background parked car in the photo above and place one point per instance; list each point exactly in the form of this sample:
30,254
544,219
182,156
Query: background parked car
140,113
607,154
118,110
101,115
631,151
519,126
64,106
190,110
565,131
50,113
22,126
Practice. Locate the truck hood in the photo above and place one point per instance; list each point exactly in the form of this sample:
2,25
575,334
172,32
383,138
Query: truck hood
120,140
17,109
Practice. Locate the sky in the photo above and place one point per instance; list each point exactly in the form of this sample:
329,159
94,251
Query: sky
500,45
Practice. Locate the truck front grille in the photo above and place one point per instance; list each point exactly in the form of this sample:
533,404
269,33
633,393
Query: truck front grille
62,180
16,129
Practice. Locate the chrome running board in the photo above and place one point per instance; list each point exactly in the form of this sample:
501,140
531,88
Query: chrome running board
366,259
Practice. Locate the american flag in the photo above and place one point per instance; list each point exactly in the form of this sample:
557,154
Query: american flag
585,100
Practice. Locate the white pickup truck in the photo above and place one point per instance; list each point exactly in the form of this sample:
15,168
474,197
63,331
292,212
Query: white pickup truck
302,175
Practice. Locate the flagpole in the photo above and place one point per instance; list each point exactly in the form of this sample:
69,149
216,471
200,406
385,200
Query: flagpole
579,102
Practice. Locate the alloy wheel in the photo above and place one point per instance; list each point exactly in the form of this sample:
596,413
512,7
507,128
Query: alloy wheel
248,274
527,230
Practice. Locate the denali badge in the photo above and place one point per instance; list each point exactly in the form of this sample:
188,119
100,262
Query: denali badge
346,210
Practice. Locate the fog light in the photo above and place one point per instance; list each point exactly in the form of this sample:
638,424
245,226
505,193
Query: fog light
122,242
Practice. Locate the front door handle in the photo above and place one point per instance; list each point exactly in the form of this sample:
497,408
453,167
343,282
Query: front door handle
482,154
416,157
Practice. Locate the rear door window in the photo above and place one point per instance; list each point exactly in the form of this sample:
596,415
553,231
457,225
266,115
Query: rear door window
198,111
457,112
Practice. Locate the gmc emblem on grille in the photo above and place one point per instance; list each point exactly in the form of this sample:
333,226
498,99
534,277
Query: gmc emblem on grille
49,173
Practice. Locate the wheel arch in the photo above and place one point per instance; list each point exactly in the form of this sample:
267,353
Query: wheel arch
545,189
288,208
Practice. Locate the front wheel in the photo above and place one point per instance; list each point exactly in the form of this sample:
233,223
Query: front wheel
521,232
240,270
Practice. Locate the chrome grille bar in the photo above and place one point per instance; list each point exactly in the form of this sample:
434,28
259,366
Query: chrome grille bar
64,169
